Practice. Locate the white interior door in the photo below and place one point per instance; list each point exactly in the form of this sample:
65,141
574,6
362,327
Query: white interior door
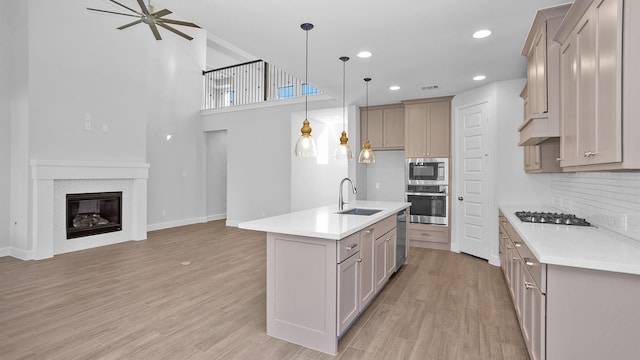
471,185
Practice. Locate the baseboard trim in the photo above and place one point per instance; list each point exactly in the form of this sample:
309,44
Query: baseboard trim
233,223
5,251
21,254
172,224
216,217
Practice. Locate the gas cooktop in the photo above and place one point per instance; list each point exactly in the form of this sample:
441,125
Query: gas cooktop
551,218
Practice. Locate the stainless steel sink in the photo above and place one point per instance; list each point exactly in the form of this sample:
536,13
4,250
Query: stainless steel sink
359,211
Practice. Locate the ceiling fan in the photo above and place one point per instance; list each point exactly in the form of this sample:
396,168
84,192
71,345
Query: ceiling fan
149,16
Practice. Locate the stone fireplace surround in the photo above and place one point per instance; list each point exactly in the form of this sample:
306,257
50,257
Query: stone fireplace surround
52,180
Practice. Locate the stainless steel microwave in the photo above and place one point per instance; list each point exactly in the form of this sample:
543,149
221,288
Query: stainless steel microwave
427,171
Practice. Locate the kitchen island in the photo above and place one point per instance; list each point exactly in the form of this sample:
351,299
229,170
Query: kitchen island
324,268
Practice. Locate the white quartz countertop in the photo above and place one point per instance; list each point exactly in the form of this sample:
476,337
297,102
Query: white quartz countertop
324,222
576,246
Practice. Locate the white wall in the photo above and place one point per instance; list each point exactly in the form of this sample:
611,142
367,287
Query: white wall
388,173
82,90
5,127
216,175
259,157
177,172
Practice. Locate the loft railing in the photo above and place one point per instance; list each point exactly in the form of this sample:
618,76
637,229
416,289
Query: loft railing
250,83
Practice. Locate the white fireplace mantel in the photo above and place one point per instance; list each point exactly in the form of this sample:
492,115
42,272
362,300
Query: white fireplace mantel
45,173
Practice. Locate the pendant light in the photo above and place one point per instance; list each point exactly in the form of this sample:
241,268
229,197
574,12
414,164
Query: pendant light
343,151
366,155
306,146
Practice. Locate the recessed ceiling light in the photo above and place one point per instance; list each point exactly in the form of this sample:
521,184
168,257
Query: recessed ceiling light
394,87
481,34
479,77
364,54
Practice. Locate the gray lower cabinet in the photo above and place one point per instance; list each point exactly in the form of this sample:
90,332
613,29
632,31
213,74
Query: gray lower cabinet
570,312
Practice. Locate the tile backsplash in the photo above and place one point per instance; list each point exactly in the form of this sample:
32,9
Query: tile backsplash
610,200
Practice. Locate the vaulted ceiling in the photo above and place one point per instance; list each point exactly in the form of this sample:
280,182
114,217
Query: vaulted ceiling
415,43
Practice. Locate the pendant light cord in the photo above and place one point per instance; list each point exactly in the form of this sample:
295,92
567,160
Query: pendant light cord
306,74
344,87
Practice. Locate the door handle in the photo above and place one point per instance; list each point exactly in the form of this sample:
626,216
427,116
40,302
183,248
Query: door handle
460,198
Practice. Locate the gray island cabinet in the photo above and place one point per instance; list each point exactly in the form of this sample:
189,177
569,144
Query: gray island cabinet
324,268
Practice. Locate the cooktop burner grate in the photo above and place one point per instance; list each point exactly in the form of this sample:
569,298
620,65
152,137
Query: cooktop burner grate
551,218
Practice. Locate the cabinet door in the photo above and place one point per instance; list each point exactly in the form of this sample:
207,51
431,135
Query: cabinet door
586,53
438,129
515,282
390,252
415,130
533,316
374,128
380,271
568,94
536,71
608,127
348,299
367,281
393,131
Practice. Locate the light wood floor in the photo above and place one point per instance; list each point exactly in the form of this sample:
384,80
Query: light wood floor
198,292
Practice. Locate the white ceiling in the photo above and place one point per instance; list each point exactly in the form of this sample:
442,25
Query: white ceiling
415,43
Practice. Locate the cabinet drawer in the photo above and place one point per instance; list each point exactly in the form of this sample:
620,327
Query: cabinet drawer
384,226
347,247
435,235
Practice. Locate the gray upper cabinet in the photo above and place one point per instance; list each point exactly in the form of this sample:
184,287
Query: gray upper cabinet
599,91
542,101
384,126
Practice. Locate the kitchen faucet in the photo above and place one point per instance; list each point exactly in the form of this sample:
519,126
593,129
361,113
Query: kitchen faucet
340,199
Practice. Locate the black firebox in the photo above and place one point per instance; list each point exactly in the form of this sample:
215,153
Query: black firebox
93,213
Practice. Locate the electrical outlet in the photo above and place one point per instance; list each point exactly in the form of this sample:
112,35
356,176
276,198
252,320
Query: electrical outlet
87,125
377,185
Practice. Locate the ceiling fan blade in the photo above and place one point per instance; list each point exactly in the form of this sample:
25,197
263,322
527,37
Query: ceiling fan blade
143,7
161,13
177,22
175,31
124,6
113,12
154,30
130,24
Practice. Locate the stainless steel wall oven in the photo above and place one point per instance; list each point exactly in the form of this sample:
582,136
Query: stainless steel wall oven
428,204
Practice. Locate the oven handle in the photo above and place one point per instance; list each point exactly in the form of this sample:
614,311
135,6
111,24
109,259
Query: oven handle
427,194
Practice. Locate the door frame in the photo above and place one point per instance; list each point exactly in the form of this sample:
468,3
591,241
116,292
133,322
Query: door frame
456,154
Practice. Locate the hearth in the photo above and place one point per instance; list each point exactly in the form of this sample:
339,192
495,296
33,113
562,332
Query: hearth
93,213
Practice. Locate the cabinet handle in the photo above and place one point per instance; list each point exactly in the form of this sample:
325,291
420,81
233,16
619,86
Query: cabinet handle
514,259
367,232
589,153
558,159
517,244
426,234
389,239
528,262
359,260
529,286
351,247
509,247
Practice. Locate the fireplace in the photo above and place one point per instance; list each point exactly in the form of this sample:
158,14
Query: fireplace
93,213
